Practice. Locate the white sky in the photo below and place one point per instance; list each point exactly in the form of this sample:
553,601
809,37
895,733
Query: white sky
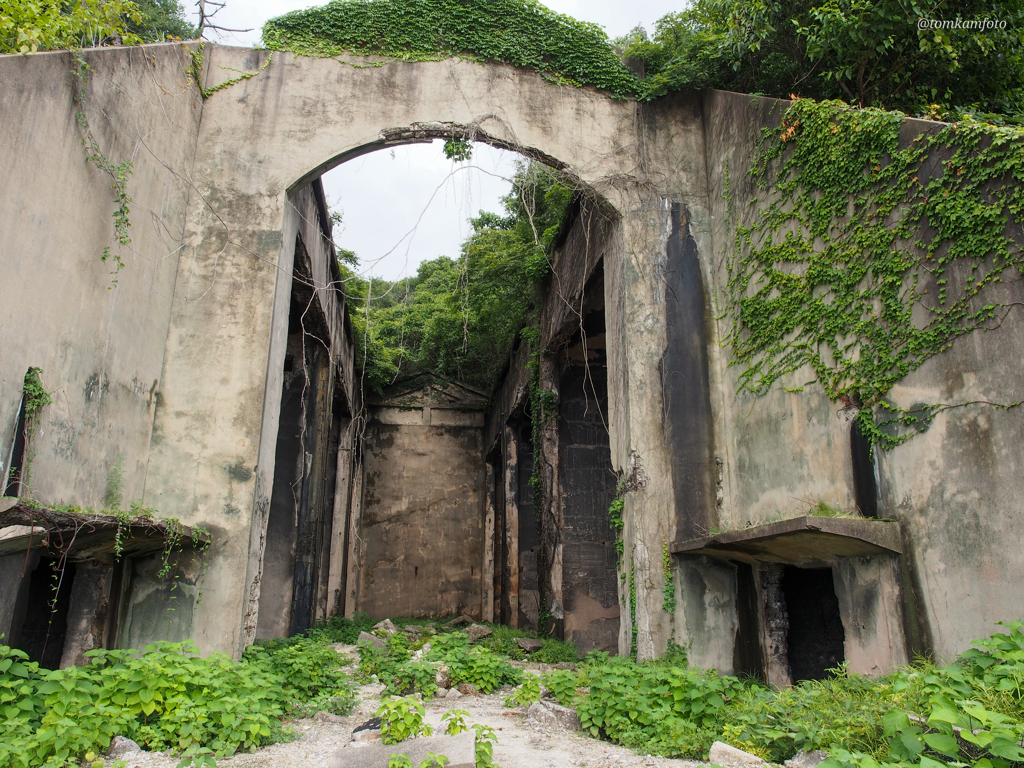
414,205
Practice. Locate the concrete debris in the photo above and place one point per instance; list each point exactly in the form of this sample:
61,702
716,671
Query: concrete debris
460,621
460,751
478,632
327,717
547,714
529,644
414,629
122,748
730,757
365,638
467,689
346,650
443,678
453,694
806,759
368,731
386,625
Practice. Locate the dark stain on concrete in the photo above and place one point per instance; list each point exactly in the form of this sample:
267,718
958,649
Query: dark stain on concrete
685,382
239,472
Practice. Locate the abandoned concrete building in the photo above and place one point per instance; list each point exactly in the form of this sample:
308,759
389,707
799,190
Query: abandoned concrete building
216,385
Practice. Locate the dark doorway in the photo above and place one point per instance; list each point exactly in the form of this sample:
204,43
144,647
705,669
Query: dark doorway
816,632
748,659
865,485
46,613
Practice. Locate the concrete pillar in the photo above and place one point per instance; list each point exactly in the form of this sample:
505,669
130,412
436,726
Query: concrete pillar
511,470
487,571
90,597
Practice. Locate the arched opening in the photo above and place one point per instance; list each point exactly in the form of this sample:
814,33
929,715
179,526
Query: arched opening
425,516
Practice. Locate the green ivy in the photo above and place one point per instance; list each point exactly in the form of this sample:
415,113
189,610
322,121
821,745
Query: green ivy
669,588
866,259
519,32
35,394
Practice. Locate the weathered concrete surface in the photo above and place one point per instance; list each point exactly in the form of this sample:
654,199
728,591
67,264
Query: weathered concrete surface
100,348
423,505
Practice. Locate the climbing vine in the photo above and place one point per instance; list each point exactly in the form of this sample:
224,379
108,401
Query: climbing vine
118,173
870,258
519,32
195,71
669,588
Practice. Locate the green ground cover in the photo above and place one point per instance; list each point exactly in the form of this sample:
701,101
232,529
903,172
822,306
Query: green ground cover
970,712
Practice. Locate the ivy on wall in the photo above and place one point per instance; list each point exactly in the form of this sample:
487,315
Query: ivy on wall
519,32
865,259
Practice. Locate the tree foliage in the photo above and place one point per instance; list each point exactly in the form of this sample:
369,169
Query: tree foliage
458,318
881,53
27,26
162,20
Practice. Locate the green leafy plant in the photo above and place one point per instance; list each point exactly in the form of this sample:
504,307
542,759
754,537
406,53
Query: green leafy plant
555,652
526,694
486,738
40,26
400,719
563,684
455,721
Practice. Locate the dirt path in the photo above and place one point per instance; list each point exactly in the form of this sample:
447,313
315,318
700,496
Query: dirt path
521,744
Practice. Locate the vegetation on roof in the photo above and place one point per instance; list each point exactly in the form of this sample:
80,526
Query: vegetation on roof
519,32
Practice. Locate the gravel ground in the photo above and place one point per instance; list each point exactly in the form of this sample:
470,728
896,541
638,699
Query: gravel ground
521,743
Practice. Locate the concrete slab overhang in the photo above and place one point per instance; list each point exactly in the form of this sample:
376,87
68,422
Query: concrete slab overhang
87,534
800,541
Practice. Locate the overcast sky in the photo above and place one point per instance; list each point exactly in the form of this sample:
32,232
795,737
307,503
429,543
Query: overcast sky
402,207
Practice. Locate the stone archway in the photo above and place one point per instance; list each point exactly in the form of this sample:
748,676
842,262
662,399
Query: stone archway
260,141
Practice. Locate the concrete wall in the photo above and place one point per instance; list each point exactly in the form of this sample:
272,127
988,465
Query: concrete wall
101,348
422,515
179,368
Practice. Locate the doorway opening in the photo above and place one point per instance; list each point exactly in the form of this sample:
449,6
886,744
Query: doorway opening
816,636
44,621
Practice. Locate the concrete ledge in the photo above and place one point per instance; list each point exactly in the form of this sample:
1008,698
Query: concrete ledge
799,541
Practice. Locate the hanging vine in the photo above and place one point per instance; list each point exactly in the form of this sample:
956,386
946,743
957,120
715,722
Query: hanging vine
870,258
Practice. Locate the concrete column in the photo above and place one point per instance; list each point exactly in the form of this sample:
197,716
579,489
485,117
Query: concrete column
355,526
511,470
340,530
87,612
487,571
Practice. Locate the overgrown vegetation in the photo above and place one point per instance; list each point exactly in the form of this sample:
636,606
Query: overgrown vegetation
872,53
27,27
458,318
863,262
519,32
168,698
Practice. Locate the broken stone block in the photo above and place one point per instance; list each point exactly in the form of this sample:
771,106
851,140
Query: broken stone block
327,717
387,626
478,632
460,621
467,689
731,757
121,748
806,759
529,644
549,715
453,694
442,679
414,629
365,638
368,731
